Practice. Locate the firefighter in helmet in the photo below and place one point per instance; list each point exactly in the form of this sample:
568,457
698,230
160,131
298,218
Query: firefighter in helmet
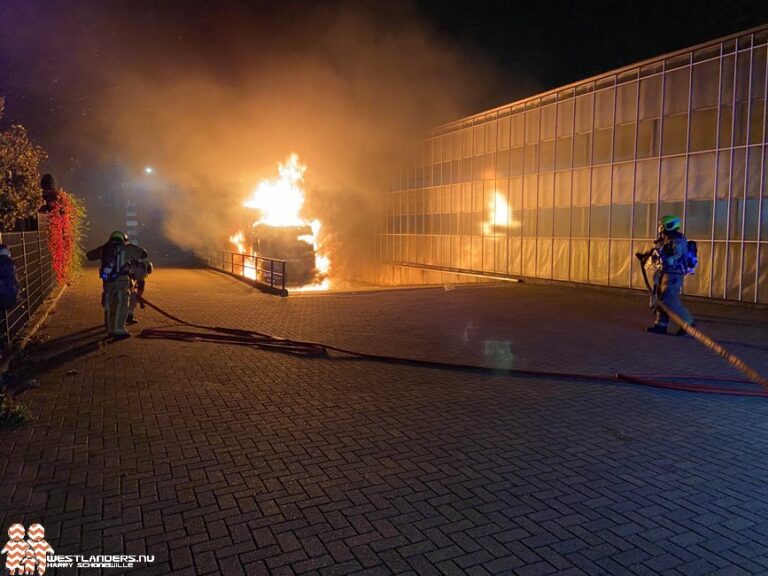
116,258
670,256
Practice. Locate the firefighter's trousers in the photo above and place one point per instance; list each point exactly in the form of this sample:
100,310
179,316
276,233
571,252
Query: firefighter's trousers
116,298
670,289
137,290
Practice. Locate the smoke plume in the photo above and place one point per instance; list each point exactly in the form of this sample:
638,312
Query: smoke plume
214,94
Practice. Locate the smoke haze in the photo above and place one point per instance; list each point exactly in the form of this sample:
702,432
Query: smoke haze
214,94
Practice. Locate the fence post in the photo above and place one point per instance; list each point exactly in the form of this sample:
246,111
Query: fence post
26,273
49,263
5,313
43,291
48,271
272,273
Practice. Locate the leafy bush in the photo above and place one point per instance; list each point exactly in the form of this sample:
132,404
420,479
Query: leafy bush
79,228
21,197
12,412
66,229
20,194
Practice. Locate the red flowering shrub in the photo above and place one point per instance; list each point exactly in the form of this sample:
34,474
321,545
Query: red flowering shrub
66,222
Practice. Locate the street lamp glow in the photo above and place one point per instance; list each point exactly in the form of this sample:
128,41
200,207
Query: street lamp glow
149,170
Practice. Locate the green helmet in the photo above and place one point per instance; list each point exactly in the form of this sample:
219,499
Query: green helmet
119,235
669,223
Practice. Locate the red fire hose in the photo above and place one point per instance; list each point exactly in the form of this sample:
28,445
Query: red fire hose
264,341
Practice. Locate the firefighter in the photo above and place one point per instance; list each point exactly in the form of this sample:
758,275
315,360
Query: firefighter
671,256
116,258
9,285
139,271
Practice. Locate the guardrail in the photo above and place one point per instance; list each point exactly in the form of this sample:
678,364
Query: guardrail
267,271
34,272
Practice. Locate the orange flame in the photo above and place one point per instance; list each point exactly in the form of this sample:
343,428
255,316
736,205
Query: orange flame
500,217
279,203
248,262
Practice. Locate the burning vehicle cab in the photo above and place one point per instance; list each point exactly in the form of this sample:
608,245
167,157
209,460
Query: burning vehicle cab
281,232
290,243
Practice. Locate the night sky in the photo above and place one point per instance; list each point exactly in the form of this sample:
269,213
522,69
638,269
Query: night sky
556,43
67,69
531,46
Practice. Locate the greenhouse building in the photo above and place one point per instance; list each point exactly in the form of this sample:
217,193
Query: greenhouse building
567,185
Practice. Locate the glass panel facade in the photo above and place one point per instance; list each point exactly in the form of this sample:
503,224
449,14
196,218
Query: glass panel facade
569,184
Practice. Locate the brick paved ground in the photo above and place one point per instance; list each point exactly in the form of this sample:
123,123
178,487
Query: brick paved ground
226,460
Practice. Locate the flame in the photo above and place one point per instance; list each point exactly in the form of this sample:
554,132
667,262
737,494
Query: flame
322,262
279,203
248,262
500,216
239,241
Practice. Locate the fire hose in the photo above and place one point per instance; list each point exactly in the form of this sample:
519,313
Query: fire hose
702,338
243,337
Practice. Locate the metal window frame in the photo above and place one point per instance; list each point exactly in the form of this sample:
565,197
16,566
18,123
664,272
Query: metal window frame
762,183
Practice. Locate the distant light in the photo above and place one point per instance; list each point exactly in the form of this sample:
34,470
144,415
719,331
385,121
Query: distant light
148,170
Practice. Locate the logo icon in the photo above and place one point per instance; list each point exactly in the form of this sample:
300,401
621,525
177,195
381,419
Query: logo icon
26,557
35,555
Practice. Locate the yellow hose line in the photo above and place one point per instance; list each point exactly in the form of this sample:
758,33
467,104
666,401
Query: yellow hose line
710,344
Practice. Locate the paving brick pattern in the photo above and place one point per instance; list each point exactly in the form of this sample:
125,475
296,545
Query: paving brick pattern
221,459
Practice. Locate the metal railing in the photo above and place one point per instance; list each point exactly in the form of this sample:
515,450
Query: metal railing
34,272
267,271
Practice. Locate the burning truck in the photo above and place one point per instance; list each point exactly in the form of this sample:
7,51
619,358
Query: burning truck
290,243
281,232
